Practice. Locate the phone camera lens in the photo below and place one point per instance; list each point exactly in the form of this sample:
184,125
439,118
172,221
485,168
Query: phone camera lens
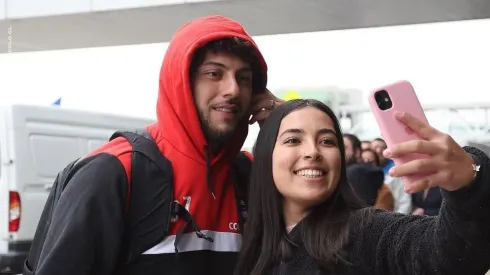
383,100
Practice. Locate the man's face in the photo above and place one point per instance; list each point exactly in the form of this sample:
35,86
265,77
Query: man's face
365,145
350,156
378,146
222,89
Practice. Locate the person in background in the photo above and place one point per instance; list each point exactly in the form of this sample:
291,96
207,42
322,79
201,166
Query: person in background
366,179
428,202
385,199
365,144
378,145
367,182
369,156
352,149
403,200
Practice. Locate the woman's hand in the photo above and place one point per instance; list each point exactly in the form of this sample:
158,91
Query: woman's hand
448,165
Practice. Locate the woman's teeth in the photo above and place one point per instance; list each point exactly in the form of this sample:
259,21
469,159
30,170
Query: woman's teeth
310,173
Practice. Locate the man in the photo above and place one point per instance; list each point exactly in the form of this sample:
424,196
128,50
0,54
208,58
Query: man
212,85
367,180
353,149
365,145
379,145
403,200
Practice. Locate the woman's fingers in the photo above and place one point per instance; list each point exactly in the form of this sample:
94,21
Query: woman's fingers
419,146
418,166
436,179
424,130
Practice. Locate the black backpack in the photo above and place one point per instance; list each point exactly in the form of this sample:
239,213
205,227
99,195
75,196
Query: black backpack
144,149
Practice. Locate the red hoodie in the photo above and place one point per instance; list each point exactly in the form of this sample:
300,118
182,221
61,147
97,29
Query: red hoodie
179,135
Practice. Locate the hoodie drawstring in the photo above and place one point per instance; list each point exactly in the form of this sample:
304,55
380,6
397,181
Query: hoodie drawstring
177,210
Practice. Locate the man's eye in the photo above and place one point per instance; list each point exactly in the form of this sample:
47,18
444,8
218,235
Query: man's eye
245,78
212,74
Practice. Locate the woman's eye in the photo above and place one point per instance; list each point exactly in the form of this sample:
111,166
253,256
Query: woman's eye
330,142
291,140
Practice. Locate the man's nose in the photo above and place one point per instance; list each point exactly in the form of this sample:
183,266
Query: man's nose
230,86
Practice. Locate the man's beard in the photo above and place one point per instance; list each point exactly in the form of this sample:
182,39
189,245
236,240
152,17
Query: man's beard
214,136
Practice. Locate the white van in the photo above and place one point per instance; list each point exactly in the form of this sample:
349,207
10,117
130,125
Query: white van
36,143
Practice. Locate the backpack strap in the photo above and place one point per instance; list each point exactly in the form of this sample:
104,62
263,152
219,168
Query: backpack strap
145,154
141,143
241,173
145,146
145,183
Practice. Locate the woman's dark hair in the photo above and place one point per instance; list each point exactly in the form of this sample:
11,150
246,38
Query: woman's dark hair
324,231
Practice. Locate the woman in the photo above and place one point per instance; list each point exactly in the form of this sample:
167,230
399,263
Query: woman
303,218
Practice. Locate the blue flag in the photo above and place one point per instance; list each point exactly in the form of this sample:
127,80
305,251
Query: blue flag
57,102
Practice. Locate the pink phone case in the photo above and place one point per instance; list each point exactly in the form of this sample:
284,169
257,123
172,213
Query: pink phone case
403,99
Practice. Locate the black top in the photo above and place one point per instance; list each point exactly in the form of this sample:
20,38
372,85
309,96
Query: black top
455,242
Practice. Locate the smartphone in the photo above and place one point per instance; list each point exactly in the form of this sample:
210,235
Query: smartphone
384,102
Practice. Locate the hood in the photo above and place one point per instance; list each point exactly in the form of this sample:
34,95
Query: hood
177,116
366,180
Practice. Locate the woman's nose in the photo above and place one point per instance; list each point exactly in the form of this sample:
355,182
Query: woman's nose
312,154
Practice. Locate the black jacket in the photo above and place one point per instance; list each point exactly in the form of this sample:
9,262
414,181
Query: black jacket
455,242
